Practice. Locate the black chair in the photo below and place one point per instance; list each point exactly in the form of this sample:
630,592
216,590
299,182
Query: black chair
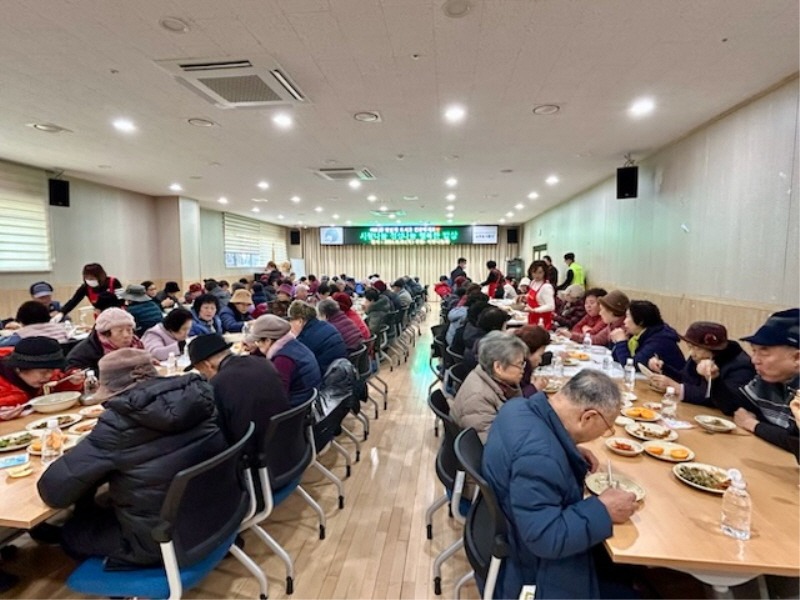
446,469
361,361
379,354
485,530
455,376
284,455
213,493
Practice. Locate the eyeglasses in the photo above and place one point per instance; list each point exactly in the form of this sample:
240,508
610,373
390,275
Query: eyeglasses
610,431
520,366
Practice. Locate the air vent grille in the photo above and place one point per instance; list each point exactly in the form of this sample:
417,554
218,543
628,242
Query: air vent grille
248,88
345,173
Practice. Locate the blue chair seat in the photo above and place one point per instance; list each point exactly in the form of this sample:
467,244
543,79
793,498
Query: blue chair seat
281,494
90,578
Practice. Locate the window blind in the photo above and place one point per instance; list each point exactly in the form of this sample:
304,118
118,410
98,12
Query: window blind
24,228
250,244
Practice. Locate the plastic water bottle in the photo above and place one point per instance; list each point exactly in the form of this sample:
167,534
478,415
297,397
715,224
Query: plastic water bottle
669,403
737,508
587,342
558,367
90,385
607,364
172,364
630,375
52,442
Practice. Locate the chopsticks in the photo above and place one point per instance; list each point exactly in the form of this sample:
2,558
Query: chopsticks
51,384
611,482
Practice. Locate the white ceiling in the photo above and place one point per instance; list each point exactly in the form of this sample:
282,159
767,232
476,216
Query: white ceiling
82,63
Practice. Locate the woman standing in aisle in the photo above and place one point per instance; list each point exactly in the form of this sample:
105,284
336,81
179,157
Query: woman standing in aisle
540,302
95,283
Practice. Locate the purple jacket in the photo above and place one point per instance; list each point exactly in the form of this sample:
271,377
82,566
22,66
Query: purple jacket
352,336
159,343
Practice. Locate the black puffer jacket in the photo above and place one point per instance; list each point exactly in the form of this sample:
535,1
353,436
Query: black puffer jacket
141,441
86,354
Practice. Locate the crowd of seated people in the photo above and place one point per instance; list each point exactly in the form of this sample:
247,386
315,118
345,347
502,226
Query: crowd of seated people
292,332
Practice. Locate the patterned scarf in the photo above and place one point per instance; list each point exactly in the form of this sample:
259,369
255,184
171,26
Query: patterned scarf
105,342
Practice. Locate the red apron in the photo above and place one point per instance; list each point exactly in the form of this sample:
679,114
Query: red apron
533,318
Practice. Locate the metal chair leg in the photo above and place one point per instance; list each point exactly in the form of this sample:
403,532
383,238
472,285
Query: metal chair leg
278,550
331,477
317,509
341,450
349,434
461,582
443,556
436,505
255,571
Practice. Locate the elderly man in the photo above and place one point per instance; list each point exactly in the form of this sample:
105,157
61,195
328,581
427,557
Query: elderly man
323,339
330,311
404,298
533,462
764,402
246,388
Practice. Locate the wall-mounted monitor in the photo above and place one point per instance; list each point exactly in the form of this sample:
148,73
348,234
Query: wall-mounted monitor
331,236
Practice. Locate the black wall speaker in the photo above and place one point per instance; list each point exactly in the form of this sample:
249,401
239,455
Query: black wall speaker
627,182
294,237
58,191
512,236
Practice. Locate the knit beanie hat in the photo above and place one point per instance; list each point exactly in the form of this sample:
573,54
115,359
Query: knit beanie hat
285,288
268,327
122,369
379,285
113,317
616,302
345,302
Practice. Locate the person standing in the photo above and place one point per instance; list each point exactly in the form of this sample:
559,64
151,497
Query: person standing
536,466
540,301
575,272
459,270
494,280
95,283
552,272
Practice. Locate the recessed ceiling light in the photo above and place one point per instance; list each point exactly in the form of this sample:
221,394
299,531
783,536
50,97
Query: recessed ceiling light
263,185
222,200
280,217
174,24
642,107
450,197
455,9
282,120
519,206
348,222
455,113
295,199
368,116
48,127
449,215
176,187
449,220
354,183
510,214
372,197
546,109
552,180
392,216
451,182
410,198
383,209
449,207
255,209
318,209
259,199
299,222
335,217
501,221
533,196
124,125
200,122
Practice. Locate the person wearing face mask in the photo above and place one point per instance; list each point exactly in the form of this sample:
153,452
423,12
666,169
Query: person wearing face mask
501,362
113,330
95,282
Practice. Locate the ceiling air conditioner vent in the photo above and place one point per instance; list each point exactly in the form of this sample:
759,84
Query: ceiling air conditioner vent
345,174
247,83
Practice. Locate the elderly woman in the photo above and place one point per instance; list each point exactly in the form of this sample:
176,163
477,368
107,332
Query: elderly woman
646,335
152,428
376,307
235,315
572,309
346,304
169,336
501,362
536,339
283,298
716,369
329,311
95,282
294,362
34,362
145,312
204,313
591,322
491,319
613,307
322,338
113,330
35,321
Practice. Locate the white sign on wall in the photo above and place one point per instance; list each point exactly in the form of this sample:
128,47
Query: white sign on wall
484,234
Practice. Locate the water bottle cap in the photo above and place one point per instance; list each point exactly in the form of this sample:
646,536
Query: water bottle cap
629,361
670,390
736,478
52,423
90,373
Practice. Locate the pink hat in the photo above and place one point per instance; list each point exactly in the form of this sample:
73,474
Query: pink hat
379,285
113,317
286,289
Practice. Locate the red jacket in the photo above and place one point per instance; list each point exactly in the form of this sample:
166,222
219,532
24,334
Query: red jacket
11,394
442,289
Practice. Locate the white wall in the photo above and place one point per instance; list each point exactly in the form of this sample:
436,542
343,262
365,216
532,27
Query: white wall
733,184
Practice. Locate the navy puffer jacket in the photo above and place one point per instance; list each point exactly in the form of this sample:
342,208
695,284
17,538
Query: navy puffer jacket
145,436
324,341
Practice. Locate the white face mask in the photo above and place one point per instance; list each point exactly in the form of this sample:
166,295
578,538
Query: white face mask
91,282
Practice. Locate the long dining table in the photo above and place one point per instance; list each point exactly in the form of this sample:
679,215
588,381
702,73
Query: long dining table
678,527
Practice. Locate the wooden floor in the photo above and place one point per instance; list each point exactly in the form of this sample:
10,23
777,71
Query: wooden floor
374,548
